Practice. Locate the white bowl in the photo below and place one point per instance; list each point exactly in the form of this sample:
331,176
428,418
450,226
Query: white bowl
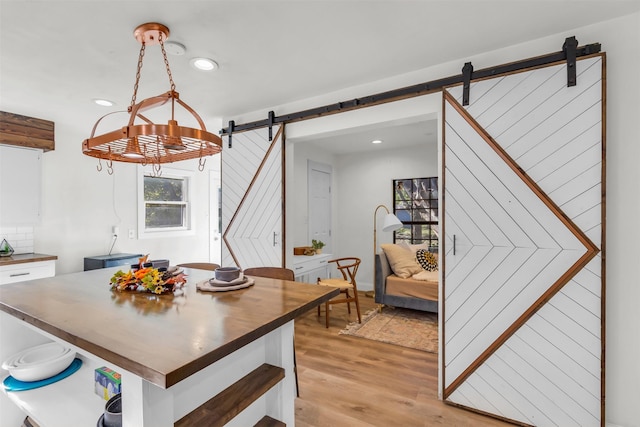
42,353
38,363
35,355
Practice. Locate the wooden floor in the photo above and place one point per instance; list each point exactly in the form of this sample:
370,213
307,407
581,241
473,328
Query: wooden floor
351,381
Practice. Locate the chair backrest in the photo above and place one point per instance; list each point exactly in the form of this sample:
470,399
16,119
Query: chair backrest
348,266
201,265
270,272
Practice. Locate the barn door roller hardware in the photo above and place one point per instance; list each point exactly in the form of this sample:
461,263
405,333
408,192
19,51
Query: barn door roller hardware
467,70
569,49
419,89
271,119
231,128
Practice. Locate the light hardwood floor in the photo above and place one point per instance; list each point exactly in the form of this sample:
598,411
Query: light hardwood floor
355,382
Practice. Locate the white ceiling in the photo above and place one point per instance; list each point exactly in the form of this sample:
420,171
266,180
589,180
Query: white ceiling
56,56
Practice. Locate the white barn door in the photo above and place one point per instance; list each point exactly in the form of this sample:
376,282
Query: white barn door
252,201
523,222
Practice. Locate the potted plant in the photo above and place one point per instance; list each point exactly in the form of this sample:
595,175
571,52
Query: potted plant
317,246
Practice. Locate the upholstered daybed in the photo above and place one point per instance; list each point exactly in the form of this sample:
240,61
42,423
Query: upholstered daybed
410,286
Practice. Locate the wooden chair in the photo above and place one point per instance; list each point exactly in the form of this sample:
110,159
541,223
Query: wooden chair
270,272
283,274
348,266
201,265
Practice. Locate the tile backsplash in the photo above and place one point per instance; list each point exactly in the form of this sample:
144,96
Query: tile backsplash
19,237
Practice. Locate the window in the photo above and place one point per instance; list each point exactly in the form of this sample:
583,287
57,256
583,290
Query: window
164,207
416,206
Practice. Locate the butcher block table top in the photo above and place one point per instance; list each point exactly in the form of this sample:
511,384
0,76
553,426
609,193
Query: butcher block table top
161,338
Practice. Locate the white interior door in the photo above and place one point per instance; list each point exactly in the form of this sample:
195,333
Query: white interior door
252,199
319,191
523,215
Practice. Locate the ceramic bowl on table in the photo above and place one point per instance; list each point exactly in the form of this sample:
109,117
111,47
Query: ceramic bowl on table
227,274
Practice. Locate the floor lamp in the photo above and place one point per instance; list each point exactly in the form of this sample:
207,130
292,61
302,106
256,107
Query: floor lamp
391,223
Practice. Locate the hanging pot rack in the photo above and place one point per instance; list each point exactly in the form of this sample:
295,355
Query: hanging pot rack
149,142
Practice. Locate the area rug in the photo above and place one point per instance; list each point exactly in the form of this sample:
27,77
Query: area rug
399,326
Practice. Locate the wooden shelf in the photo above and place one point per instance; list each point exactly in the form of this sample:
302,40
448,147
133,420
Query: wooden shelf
221,408
24,131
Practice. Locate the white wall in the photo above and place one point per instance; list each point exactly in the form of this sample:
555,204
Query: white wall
620,38
80,206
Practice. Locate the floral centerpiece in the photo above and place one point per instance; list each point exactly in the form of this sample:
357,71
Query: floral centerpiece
146,278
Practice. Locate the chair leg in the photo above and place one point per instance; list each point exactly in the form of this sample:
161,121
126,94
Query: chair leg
326,311
357,306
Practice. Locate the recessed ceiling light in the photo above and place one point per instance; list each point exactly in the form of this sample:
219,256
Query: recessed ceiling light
204,64
103,102
376,141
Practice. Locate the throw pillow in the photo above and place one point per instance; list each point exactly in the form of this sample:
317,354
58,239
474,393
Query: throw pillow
402,261
426,260
413,248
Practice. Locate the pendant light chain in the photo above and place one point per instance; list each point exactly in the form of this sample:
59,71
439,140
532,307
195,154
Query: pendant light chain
166,63
135,87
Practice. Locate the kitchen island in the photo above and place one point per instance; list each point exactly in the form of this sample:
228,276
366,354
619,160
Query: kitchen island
175,353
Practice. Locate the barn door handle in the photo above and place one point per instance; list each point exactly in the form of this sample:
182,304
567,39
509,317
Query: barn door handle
454,244
275,239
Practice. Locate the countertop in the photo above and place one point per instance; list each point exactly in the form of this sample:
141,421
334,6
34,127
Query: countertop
161,338
23,258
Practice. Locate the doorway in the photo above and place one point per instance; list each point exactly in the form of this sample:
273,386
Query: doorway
319,195
362,172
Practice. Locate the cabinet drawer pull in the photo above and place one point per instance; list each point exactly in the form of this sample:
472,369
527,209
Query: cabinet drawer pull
298,268
19,274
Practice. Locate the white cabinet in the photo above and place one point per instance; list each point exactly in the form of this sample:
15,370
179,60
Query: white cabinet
308,268
20,184
27,271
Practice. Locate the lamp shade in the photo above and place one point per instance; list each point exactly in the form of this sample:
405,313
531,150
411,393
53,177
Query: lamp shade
391,223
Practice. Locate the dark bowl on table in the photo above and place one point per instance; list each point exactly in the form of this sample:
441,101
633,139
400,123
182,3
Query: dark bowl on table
227,274
160,263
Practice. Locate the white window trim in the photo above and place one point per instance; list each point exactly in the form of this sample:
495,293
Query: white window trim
189,230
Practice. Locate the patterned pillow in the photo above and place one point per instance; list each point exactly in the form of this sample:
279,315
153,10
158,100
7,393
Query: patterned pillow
427,260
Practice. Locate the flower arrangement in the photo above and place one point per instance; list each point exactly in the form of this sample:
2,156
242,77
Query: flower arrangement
147,279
